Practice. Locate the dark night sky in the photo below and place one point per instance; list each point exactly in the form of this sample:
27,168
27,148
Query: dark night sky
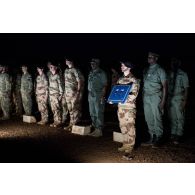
37,48
107,46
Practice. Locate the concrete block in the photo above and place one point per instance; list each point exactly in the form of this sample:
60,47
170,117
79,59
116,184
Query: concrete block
118,137
29,119
81,130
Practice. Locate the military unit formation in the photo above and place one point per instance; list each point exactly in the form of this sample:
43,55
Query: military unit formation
63,93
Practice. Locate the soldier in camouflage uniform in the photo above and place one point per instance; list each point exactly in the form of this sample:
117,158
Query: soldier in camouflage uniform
97,85
127,111
154,95
55,95
178,85
26,90
73,92
5,93
41,90
16,94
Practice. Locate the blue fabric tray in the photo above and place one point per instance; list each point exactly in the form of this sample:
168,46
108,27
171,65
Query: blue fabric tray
119,94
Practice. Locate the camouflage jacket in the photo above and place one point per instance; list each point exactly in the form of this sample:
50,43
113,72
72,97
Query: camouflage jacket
55,84
41,87
26,83
73,79
5,84
131,99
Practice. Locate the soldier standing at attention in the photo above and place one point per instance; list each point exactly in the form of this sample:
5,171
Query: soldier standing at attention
127,111
97,85
73,92
5,93
26,90
154,95
55,95
178,85
41,90
16,94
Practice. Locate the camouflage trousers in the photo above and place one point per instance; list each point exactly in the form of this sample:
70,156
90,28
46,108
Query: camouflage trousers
64,109
55,107
5,103
17,101
74,108
126,119
42,101
27,103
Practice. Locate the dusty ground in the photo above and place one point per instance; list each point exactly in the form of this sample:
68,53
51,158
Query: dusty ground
21,142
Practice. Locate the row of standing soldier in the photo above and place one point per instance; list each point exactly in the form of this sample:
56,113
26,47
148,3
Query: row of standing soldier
55,91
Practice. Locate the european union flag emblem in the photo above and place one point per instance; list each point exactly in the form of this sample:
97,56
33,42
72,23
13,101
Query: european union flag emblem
119,94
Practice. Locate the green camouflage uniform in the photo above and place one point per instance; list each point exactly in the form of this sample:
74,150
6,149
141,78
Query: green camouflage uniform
97,80
127,111
153,77
72,78
42,96
175,98
55,95
26,92
5,94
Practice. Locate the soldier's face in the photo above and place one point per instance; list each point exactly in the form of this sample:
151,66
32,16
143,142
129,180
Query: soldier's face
94,65
69,64
40,71
52,68
124,68
24,69
151,59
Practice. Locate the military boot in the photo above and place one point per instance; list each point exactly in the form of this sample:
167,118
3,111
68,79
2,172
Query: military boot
42,122
68,128
122,149
128,148
96,133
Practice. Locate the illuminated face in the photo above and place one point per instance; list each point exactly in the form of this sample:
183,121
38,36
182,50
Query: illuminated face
24,69
152,59
124,68
52,68
69,64
40,71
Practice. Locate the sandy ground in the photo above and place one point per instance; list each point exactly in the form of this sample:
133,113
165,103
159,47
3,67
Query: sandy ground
22,142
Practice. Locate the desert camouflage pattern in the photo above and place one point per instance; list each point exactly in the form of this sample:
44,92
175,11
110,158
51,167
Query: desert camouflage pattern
55,96
73,95
41,91
26,92
17,99
127,111
5,95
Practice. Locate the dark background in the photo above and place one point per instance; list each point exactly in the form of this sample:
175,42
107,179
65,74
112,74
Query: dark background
33,49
